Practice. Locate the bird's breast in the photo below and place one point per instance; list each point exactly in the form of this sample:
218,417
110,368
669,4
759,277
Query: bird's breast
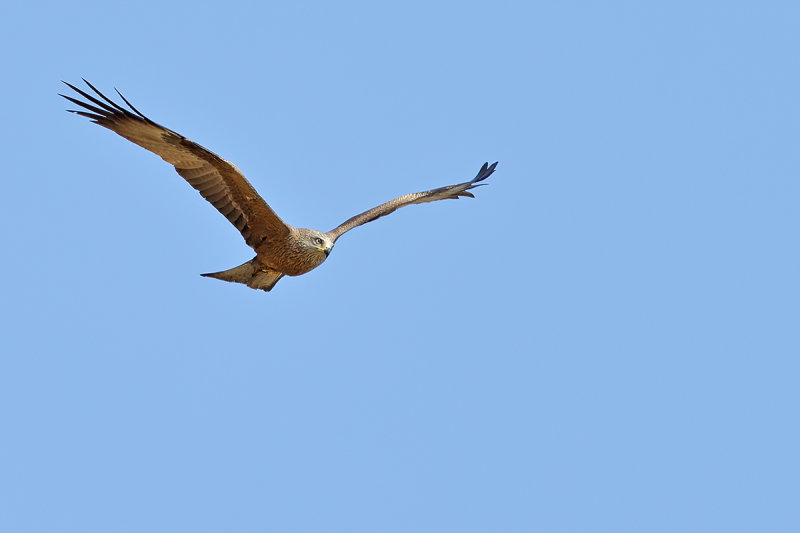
291,258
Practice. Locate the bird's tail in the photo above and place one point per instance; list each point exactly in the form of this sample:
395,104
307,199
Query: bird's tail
251,274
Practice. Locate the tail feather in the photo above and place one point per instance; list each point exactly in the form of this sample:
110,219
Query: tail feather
251,274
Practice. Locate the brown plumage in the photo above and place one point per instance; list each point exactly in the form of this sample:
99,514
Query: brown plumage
281,249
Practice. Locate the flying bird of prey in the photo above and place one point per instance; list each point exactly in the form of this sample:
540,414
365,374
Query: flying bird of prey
281,249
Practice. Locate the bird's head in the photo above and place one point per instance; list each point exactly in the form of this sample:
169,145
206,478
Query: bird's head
318,241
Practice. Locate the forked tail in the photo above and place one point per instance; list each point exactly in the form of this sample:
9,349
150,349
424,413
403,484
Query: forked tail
251,274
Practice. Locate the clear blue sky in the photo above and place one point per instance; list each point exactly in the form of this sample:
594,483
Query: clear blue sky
606,339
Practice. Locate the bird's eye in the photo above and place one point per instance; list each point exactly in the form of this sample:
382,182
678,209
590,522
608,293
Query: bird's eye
318,241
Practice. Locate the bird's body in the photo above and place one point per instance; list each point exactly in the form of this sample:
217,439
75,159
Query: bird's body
281,249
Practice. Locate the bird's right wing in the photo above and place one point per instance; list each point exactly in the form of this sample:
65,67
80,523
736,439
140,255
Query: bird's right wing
217,180
442,193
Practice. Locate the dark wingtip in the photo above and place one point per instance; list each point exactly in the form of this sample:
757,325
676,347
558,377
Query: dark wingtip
103,105
68,84
485,171
131,106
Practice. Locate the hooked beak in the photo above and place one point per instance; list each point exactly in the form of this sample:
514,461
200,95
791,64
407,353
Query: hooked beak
325,249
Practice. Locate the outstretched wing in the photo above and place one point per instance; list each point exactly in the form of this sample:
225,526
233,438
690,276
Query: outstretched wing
442,193
217,180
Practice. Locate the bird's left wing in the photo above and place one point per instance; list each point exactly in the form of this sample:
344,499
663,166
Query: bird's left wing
217,180
442,193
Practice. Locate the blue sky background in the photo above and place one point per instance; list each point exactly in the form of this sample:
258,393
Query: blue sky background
606,339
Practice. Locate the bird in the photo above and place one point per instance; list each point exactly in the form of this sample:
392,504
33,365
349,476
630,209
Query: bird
281,249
